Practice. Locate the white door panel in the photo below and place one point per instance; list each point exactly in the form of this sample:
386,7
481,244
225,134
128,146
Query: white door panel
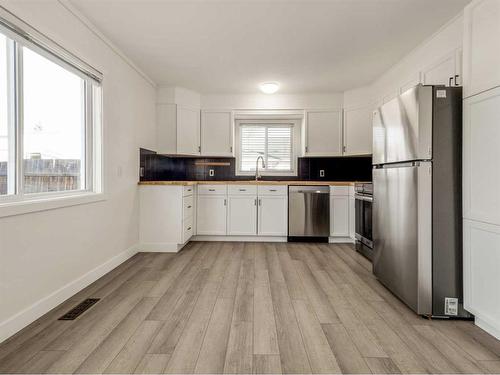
242,215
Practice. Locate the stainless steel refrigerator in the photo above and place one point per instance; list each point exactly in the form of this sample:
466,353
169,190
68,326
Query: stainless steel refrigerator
417,227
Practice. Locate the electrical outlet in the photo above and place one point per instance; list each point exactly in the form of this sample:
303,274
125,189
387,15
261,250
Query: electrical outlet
211,172
321,173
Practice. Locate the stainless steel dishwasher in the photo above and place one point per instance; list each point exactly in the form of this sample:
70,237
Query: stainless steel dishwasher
308,213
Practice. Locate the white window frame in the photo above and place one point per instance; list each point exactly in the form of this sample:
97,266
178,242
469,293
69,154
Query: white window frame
19,202
296,127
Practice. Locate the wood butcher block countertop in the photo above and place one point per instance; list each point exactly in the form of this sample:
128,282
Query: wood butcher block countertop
248,182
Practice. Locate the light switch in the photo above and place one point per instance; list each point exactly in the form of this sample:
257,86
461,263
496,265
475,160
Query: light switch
211,172
321,173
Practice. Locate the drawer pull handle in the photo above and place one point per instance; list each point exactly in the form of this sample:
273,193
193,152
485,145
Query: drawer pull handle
243,189
189,228
273,190
211,189
190,206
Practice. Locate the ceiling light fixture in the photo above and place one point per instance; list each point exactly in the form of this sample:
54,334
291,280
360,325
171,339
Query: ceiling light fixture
269,87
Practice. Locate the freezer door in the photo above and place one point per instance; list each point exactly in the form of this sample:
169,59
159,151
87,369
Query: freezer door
402,128
402,225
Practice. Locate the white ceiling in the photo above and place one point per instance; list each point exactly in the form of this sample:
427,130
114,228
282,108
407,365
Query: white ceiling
231,46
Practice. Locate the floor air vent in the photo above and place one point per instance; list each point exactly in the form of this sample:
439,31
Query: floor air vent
78,310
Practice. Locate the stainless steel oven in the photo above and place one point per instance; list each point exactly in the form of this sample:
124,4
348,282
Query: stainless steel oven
363,219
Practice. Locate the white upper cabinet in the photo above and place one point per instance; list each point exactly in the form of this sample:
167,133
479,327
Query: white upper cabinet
166,132
178,129
323,133
445,71
481,152
481,46
188,130
216,133
358,131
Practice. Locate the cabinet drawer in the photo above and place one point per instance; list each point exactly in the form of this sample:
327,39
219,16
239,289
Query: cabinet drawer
187,229
339,190
242,190
212,189
188,190
188,207
272,190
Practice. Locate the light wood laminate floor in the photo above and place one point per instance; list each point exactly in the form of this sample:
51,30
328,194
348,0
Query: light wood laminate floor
246,308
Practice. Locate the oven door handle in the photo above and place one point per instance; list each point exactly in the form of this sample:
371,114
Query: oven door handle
363,198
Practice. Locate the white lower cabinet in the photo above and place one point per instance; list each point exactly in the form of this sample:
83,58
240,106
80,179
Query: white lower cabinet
166,220
481,276
342,211
273,215
211,215
242,215
242,210
352,215
339,216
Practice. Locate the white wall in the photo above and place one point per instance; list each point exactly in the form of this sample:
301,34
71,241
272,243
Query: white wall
444,41
42,252
178,95
276,101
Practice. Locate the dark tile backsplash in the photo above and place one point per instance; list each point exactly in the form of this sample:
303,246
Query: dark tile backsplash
156,167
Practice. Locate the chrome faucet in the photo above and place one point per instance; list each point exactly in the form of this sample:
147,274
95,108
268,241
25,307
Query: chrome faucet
257,174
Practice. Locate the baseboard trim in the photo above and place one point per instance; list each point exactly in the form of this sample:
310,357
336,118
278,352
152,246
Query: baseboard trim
488,326
341,240
25,317
241,238
159,247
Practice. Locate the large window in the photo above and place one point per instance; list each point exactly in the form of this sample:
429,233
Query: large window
49,122
273,140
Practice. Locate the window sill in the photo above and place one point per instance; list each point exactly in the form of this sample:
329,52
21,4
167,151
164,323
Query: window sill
48,203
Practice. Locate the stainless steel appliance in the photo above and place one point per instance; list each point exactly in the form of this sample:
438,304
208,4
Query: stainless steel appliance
417,237
363,218
308,213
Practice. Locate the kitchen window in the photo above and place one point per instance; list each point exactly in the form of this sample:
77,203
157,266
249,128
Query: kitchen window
50,122
274,140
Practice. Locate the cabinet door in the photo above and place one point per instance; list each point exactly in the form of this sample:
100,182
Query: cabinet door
323,133
481,40
216,133
188,131
442,72
339,216
358,131
481,151
352,215
211,215
273,216
481,276
242,215
166,121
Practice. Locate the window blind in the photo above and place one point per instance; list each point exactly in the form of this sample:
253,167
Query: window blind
272,142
